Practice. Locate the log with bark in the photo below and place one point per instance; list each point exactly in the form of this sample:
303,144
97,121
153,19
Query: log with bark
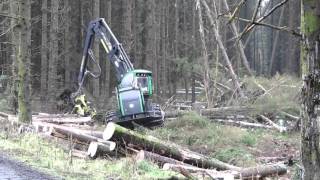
262,171
150,143
242,124
62,119
99,148
274,125
244,173
47,127
210,172
160,160
223,111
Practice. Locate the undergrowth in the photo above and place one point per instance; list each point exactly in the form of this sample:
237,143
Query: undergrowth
40,154
201,135
279,93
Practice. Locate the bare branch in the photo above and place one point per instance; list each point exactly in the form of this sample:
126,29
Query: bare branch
236,10
252,25
280,28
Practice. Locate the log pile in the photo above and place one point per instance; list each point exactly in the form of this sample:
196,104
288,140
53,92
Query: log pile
91,143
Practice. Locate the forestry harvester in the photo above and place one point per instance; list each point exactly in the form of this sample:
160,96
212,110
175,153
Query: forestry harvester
134,86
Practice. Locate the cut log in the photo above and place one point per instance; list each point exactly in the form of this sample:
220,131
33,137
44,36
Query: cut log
45,128
290,116
242,124
78,134
174,114
226,175
79,154
262,171
98,148
160,160
150,143
233,110
62,119
245,173
274,125
109,131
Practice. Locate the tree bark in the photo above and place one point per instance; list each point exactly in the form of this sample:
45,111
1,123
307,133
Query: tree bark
44,54
310,65
23,58
53,57
155,145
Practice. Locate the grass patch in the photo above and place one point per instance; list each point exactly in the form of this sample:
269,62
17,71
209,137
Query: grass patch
282,93
225,143
48,157
234,154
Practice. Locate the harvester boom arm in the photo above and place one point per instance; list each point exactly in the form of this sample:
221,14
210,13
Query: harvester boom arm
115,52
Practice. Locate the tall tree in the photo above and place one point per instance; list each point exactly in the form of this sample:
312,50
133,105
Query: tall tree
23,49
53,57
44,52
310,59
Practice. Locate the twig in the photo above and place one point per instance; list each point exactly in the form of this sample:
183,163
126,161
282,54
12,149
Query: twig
236,10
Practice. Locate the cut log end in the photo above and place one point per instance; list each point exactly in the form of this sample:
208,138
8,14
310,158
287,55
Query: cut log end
109,131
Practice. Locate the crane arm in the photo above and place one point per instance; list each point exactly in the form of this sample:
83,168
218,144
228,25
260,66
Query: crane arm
114,50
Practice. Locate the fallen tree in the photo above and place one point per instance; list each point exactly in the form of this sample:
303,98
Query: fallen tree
160,160
150,143
244,173
241,124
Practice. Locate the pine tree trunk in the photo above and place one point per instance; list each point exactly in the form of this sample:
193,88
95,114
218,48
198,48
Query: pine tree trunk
53,58
96,49
24,59
310,63
44,54
13,98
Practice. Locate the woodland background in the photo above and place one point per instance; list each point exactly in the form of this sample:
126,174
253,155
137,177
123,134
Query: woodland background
162,36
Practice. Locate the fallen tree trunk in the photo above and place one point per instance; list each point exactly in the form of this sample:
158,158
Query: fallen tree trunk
262,171
233,110
174,114
274,125
245,173
210,172
242,124
98,148
61,120
45,127
160,160
150,143
79,154
79,134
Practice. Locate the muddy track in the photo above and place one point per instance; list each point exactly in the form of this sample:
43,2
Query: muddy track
13,170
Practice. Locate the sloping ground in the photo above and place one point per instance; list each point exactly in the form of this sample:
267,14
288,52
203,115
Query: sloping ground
234,145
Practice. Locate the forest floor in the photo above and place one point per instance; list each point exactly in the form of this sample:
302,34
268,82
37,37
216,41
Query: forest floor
238,146
234,145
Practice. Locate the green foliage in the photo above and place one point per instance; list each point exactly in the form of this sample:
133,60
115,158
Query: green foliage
249,139
191,119
231,154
